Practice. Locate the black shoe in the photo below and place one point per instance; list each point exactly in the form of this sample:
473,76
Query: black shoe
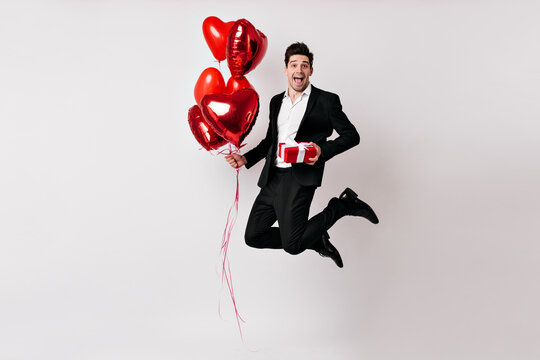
329,250
357,207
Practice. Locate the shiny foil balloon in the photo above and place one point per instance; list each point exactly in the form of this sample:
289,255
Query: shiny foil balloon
231,116
246,47
204,133
210,82
216,33
233,85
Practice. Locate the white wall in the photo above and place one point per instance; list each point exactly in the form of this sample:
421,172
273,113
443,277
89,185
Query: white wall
111,217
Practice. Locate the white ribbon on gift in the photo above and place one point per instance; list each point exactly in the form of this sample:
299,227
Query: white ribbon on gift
302,147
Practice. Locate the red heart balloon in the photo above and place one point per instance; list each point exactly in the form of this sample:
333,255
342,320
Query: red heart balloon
246,47
204,134
210,82
233,85
231,116
215,33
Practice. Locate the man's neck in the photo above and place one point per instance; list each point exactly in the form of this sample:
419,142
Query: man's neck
293,94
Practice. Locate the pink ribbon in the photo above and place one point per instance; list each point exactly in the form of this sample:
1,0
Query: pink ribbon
226,274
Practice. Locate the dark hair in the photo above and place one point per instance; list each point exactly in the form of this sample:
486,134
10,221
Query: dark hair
298,48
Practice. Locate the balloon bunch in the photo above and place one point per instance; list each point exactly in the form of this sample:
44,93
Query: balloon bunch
226,113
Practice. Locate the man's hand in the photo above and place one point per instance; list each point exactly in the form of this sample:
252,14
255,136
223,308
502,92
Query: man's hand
236,160
313,160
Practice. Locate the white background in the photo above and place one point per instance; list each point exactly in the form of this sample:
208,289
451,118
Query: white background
111,217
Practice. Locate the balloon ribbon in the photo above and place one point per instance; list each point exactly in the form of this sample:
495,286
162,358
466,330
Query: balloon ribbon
225,266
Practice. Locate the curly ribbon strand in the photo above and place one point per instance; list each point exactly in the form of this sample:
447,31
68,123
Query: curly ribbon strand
226,275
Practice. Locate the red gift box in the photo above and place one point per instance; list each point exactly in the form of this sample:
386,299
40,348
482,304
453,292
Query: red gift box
296,153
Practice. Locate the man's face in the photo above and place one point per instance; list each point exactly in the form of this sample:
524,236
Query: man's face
298,71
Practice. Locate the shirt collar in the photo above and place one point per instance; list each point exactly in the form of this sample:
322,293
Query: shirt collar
307,91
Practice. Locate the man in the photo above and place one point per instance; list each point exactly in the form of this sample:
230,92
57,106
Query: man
303,113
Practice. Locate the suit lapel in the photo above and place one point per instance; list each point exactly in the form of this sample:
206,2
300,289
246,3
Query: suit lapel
311,102
275,112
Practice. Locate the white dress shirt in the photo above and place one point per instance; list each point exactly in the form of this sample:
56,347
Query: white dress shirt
289,118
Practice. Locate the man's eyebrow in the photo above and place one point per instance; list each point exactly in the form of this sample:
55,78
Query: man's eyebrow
304,61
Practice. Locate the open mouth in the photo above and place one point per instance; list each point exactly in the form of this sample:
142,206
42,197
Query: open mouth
298,80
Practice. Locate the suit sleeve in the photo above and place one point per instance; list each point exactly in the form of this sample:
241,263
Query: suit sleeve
348,136
259,152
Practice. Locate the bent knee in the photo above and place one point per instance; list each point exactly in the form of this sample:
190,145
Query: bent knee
293,250
251,240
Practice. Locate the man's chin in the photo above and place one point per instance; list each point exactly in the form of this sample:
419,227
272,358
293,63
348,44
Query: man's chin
299,88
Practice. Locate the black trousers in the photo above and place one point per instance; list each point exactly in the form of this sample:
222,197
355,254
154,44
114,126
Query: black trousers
285,200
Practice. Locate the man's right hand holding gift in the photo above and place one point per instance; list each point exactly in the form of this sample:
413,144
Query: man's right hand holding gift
313,160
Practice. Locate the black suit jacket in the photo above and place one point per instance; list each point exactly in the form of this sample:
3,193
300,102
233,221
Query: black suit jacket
323,115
